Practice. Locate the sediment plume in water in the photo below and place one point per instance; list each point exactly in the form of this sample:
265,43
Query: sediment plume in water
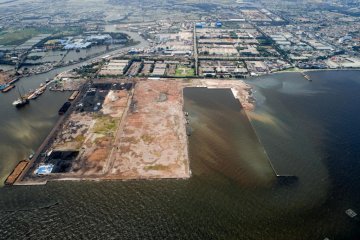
225,140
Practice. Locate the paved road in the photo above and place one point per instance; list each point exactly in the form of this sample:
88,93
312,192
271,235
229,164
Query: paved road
196,53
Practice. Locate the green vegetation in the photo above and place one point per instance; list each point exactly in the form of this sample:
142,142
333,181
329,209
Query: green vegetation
64,32
263,51
157,167
87,70
147,138
33,58
79,139
233,34
239,48
18,37
265,41
105,125
231,25
293,69
118,35
183,71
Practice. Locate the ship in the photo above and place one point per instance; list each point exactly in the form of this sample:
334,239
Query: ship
36,93
21,101
32,96
14,80
8,88
40,90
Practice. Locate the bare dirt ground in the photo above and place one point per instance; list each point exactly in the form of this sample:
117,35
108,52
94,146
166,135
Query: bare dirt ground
153,141
68,84
4,77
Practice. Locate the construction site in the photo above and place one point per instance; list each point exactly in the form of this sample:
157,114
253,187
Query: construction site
123,129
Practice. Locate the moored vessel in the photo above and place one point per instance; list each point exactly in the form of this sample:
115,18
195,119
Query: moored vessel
8,88
21,101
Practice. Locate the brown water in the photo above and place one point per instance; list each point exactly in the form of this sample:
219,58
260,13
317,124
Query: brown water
232,193
224,142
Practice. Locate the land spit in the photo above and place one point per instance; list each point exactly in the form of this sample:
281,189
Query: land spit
119,132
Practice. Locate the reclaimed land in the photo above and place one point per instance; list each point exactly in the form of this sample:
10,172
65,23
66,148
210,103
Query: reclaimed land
137,134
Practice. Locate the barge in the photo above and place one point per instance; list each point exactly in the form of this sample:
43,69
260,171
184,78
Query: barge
14,175
8,88
64,108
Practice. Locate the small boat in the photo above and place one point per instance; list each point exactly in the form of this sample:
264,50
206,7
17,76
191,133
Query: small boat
307,77
351,213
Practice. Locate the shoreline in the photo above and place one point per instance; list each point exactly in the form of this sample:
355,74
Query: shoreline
299,70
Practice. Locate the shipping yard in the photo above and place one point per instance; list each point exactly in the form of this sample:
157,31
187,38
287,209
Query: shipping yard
122,129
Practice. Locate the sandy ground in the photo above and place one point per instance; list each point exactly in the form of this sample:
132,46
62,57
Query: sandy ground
4,77
153,141
68,84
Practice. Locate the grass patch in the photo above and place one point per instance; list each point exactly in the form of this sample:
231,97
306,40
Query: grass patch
79,139
293,69
105,125
17,37
147,138
157,167
182,71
